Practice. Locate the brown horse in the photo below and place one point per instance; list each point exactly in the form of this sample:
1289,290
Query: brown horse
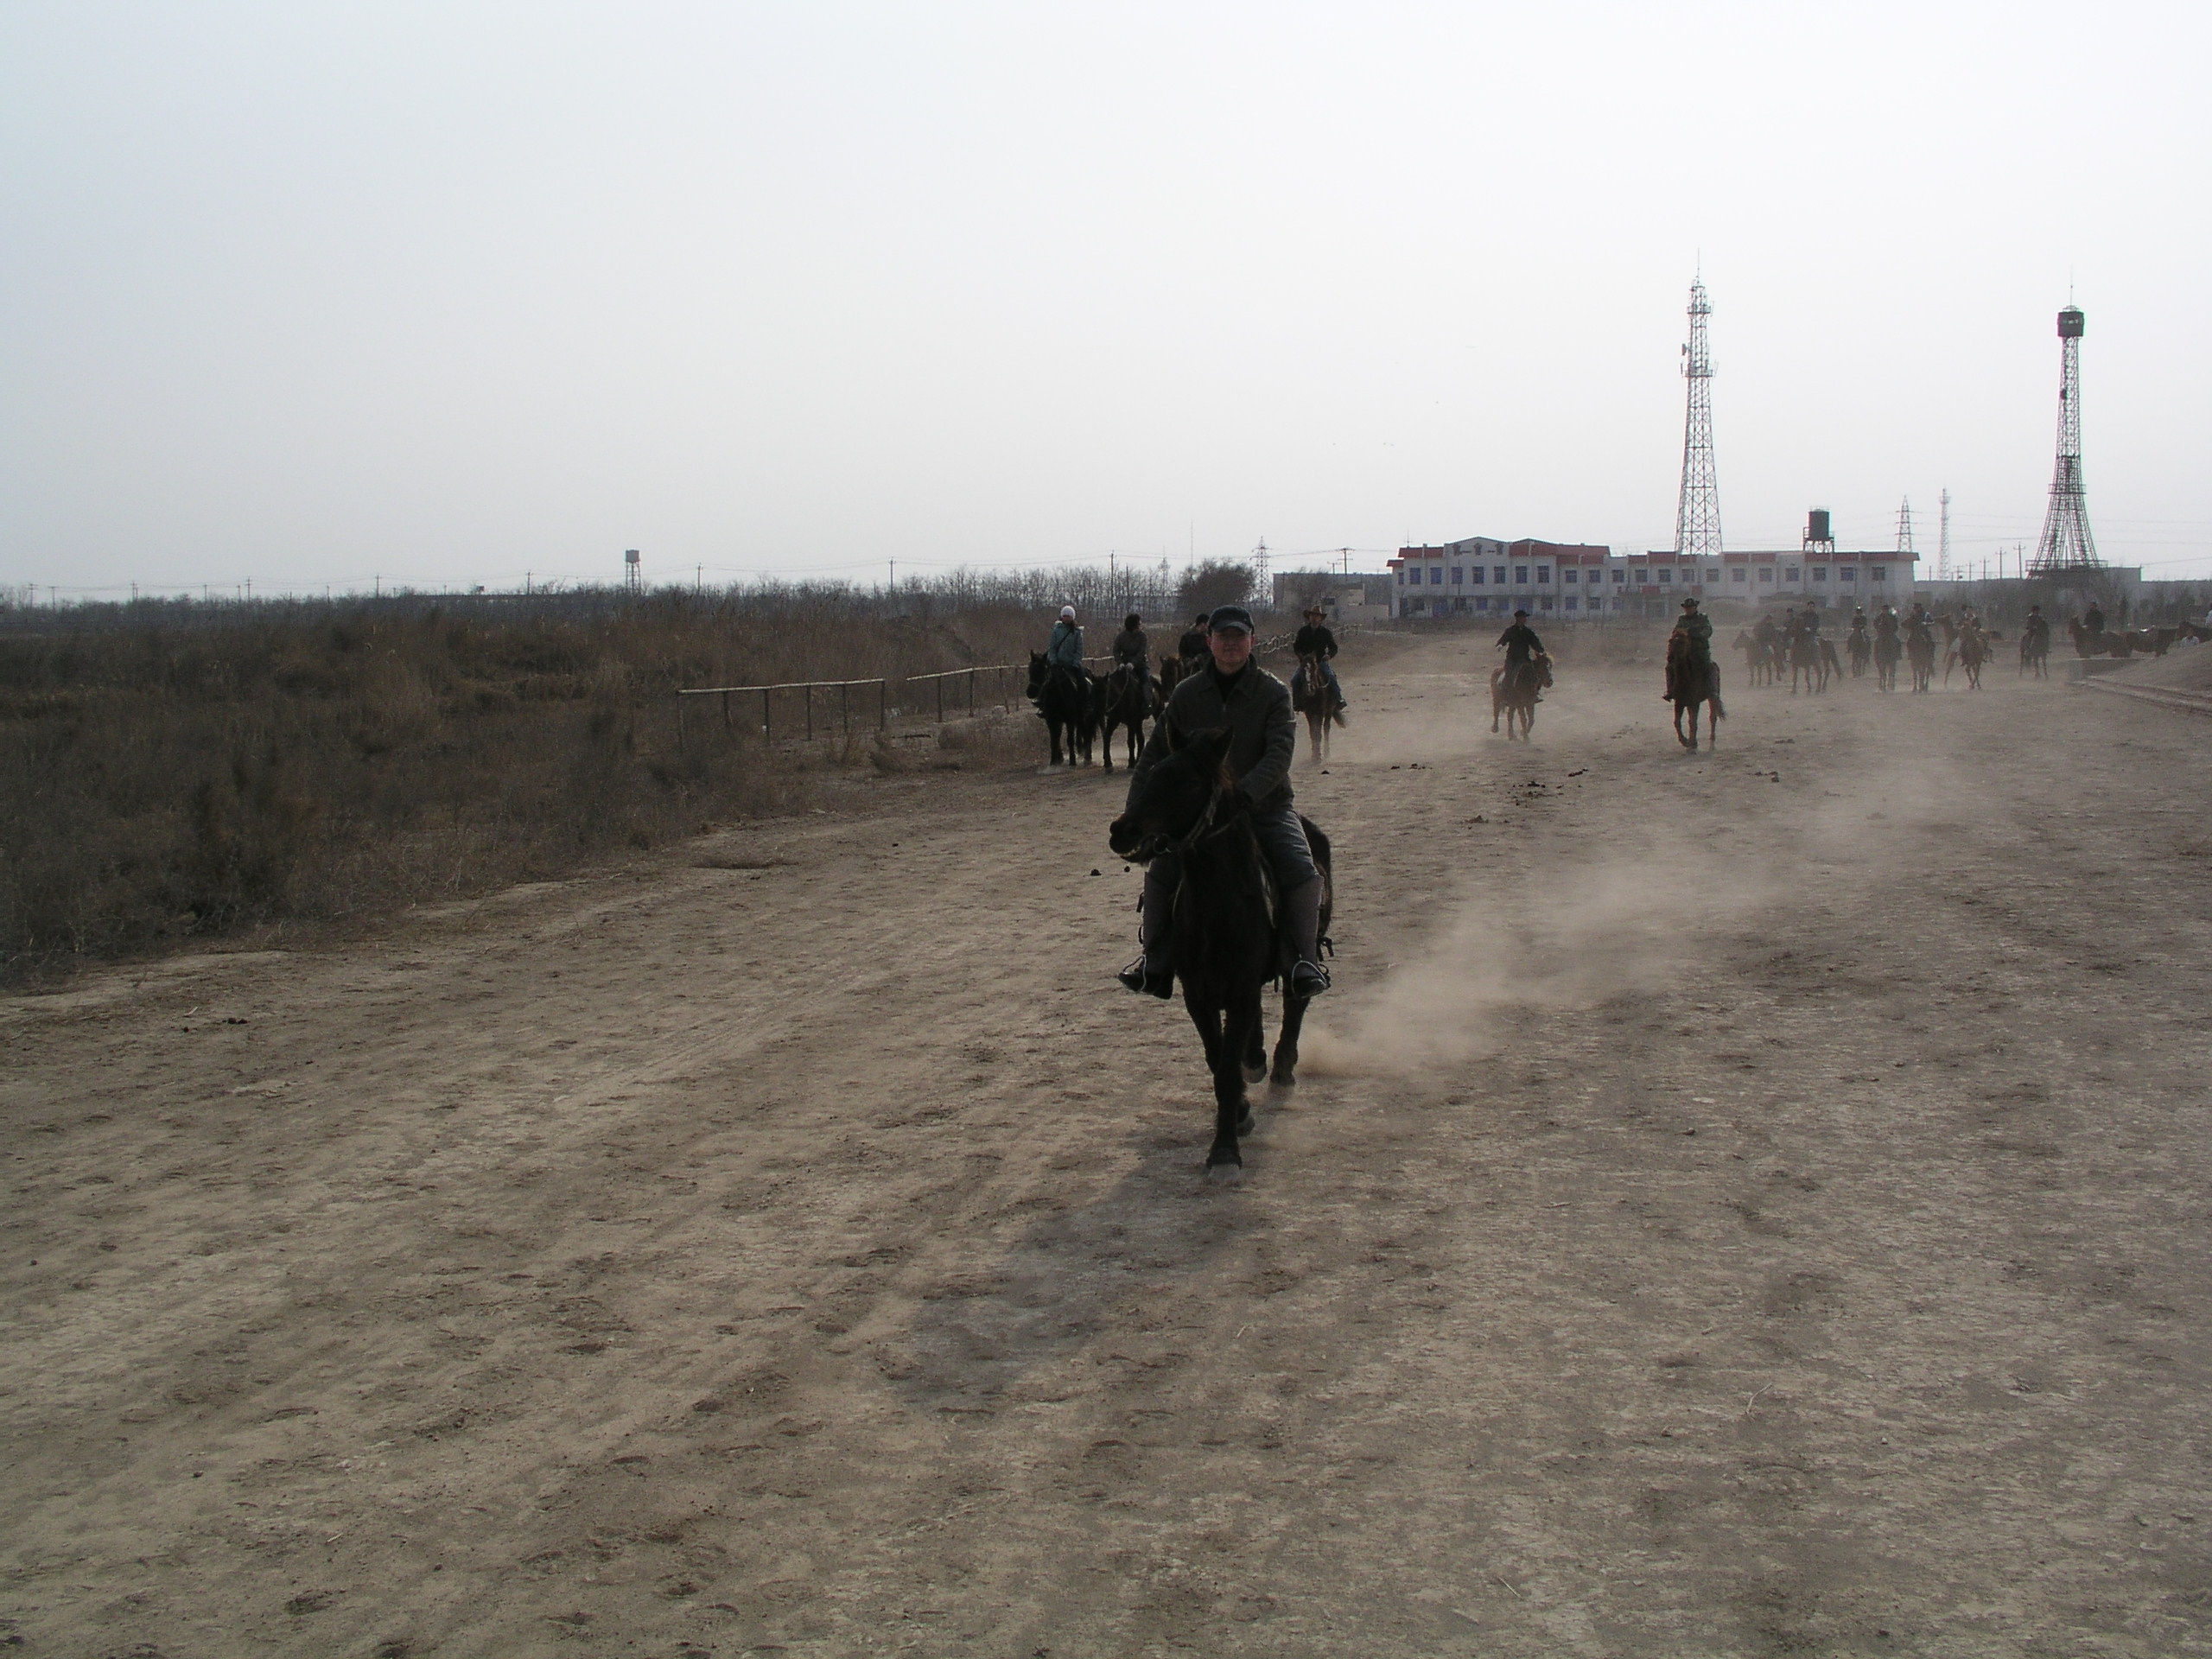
1689,691
1970,653
1513,691
1317,697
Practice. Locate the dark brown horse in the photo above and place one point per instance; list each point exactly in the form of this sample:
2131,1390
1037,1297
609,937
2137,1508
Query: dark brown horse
1320,698
1693,683
1067,701
1124,701
1513,690
1225,946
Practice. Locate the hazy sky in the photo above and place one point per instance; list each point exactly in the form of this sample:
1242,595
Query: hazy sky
448,293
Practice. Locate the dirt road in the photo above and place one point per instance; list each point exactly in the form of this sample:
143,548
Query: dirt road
1746,1203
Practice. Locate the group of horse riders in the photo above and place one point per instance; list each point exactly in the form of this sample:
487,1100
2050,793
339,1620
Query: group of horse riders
1132,649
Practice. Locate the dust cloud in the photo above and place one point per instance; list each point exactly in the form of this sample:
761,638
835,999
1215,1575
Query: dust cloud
1497,966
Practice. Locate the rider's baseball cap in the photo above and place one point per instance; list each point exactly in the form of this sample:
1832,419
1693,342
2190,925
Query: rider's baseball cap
1230,616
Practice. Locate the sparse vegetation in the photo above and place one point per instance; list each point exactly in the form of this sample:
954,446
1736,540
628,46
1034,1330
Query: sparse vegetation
187,779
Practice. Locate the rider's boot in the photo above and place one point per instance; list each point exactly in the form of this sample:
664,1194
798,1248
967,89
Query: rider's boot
1153,974
1302,913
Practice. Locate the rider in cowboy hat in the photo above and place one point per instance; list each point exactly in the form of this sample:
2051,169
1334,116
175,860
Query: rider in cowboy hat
1236,693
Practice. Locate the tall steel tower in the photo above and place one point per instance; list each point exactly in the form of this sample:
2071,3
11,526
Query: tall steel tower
2067,544
1697,519
1905,527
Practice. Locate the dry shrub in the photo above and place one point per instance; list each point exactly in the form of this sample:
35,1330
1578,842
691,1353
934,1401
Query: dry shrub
159,783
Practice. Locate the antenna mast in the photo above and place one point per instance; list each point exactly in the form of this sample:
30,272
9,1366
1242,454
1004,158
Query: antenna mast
1260,581
1904,525
2066,544
1697,519
1943,540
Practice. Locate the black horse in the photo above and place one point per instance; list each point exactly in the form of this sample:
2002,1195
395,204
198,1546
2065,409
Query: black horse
1067,700
1226,943
1124,701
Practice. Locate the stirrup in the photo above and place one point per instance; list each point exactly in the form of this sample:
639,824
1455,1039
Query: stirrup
1138,978
1309,979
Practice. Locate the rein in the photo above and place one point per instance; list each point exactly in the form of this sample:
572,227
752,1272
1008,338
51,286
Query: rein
1204,830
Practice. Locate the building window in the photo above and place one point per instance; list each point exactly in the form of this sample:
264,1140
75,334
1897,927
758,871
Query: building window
1572,604
1478,575
1543,574
1665,574
1877,573
1436,576
1791,573
1401,576
1619,574
1738,573
1846,574
1568,575
1458,575
1820,572
1766,573
1497,574
1520,575
1545,603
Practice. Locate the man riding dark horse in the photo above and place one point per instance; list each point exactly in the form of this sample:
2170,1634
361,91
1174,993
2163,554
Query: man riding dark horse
1690,670
1192,647
1235,694
1316,641
1132,649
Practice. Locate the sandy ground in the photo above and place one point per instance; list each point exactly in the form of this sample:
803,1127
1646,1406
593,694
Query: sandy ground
1748,1202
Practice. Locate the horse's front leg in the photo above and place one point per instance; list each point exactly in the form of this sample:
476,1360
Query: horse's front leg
1232,1112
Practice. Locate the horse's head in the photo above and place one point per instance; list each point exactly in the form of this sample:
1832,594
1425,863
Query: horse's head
1036,674
1172,800
1544,669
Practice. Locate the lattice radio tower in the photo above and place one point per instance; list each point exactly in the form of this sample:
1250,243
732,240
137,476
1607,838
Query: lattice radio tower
2066,544
1697,519
1263,583
1905,527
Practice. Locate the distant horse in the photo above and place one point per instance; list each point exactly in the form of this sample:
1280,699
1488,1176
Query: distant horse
1067,700
1693,682
1320,699
1172,672
2035,654
1806,658
1125,700
1225,945
1920,651
1513,691
1888,650
1760,663
1862,652
1973,652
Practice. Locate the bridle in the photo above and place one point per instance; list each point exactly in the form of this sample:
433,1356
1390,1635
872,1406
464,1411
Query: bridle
1209,824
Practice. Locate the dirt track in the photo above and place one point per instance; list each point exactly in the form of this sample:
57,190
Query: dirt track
1741,1204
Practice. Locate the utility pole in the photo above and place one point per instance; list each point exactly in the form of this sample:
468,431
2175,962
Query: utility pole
1944,539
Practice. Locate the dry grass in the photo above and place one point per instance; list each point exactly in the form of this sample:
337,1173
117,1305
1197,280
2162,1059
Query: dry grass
159,783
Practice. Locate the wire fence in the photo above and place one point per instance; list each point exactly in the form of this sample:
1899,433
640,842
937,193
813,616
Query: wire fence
951,694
